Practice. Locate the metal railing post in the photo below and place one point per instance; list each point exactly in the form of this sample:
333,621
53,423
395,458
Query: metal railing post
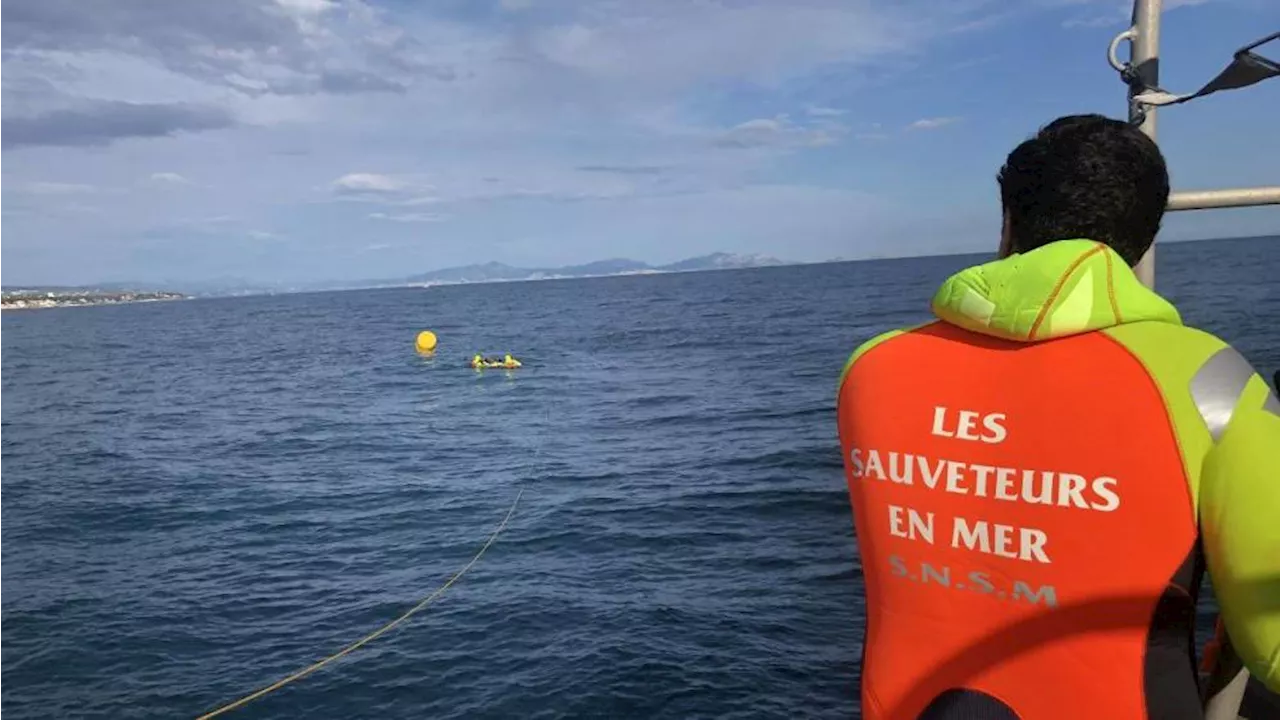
1144,60
1227,198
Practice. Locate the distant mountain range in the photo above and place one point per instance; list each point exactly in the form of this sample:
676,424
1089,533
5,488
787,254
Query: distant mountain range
487,272
491,272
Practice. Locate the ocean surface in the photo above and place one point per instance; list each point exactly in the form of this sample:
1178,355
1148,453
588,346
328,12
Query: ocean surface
201,497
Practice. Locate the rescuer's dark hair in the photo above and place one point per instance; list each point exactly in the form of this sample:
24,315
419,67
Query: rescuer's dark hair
1085,176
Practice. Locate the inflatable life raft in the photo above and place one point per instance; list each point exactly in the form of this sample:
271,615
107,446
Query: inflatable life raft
508,363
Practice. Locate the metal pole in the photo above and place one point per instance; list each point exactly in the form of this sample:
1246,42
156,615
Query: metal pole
1144,59
1236,197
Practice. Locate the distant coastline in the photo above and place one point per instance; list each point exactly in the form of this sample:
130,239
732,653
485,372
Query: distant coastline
493,272
499,272
38,299
468,274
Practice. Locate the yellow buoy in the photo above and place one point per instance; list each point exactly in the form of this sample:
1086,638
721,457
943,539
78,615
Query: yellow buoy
426,341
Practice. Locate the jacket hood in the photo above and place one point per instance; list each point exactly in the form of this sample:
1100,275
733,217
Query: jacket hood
1063,288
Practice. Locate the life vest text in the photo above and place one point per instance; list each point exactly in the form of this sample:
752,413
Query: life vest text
969,425
1056,488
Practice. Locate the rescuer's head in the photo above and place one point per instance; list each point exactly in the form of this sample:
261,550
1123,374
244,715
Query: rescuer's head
1084,176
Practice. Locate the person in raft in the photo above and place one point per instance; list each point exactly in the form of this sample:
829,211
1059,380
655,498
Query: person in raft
1040,475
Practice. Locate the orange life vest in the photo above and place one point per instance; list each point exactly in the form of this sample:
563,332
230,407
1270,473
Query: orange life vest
1024,525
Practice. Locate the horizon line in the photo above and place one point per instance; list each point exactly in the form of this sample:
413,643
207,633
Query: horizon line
649,269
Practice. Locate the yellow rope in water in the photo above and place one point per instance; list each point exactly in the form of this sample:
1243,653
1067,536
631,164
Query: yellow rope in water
377,633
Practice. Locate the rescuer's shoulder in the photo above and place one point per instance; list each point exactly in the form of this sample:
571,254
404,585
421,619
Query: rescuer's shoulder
1153,341
1188,361
882,338
873,343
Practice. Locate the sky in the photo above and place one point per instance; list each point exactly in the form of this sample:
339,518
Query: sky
310,140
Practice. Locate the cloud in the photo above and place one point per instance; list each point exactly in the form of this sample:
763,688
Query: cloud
284,47
1118,16
624,169
1096,21
476,185
358,82
307,7
408,217
169,178
392,190
263,235
211,226
641,48
56,188
105,121
777,132
932,123
817,111
670,128
368,184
